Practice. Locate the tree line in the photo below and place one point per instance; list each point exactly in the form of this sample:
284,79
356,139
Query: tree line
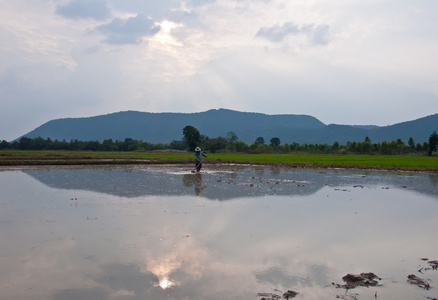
192,138
231,143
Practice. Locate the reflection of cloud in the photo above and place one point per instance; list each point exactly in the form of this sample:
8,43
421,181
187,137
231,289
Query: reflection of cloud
277,276
289,242
299,273
31,269
163,265
126,279
117,281
74,294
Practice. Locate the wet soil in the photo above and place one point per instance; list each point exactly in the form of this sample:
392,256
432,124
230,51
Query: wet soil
72,160
363,279
272,296
423,282
367,280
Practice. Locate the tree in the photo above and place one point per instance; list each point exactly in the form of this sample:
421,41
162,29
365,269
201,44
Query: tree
4,145
108,145
260,141
231,137
216,144
127,145
433,143
25,143
192,137
285,148
240,146
411,144
275,141
92,145
204,139
425,146
178,145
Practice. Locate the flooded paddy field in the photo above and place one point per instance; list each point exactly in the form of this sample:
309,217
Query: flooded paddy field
235,232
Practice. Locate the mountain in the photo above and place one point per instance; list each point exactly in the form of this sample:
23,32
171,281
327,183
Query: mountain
165,127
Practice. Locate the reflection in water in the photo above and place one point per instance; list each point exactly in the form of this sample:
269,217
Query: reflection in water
163,267
144,234
194,179
226,183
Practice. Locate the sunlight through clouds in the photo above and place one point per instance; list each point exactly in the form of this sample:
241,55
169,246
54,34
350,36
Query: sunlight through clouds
186,56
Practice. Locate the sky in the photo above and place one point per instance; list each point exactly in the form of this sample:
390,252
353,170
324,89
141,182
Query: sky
345,62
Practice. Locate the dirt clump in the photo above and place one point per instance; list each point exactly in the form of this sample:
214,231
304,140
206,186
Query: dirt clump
271,296
413,279
363,279
290,294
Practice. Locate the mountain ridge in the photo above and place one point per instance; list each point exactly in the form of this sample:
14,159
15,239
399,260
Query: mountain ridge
168,126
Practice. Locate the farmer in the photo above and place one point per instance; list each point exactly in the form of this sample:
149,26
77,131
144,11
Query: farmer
198,159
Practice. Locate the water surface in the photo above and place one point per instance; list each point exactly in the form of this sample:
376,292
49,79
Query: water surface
229,233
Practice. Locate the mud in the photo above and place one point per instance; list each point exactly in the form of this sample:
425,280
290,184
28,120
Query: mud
372,280
85,160
423,282
272,296
352,281
413,279
363,279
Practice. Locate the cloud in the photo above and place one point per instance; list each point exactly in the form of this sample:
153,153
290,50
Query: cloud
128,31
318,34
200,2
278,33
56,61
84,9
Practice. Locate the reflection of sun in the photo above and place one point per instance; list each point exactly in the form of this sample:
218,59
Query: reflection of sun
169,267
166,283
162,268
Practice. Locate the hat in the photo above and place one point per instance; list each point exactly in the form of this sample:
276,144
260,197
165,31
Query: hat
197,149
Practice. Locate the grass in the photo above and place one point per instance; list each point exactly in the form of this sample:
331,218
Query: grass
62,157
95,154
414,162
411,161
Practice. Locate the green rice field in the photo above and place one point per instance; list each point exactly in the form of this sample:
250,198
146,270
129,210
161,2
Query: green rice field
420,162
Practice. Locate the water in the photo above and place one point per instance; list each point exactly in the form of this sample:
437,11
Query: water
229,233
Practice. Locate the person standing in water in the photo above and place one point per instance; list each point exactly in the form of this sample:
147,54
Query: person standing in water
198,159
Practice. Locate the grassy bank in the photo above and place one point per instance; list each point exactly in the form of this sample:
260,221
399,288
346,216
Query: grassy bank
414,162
411,161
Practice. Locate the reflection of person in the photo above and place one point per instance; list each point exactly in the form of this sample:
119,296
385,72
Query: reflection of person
198,184
198,159
194,180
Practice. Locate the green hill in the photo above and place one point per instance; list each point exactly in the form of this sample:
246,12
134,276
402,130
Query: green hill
165,127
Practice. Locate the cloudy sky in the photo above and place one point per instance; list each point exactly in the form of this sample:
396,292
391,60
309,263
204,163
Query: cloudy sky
344,61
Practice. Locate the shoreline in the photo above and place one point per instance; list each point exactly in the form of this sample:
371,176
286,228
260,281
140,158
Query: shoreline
42,163
48,158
